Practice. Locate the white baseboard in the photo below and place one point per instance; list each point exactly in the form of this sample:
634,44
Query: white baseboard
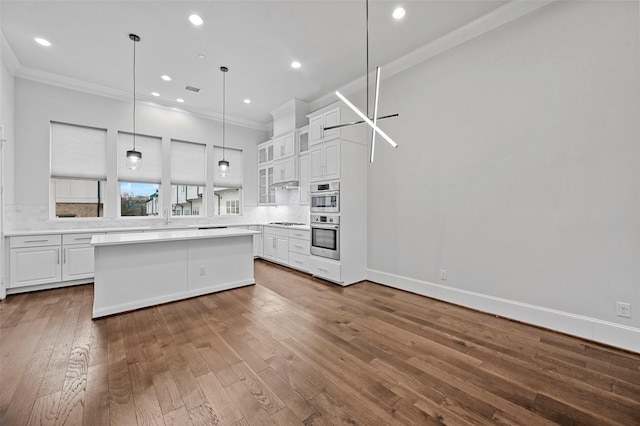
606,332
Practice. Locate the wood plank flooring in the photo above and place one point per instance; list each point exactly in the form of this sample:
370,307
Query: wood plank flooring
296,350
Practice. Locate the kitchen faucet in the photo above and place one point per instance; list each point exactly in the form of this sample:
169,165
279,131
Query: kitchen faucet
165,214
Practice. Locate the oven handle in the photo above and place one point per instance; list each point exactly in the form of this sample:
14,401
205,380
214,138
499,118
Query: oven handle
313,225
323,193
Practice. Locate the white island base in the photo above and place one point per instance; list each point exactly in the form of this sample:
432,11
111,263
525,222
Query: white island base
139,270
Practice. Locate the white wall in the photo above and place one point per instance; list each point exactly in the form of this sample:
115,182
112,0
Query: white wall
6,165
37,104
518,172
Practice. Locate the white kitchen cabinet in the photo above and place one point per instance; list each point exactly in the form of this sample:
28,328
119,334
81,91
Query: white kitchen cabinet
299,249
77,257
265,152
325,162
325,268
304,175
258,244
333,115
34,259
318,123
284,146
285,170
266,193
276,244
302,140
34,265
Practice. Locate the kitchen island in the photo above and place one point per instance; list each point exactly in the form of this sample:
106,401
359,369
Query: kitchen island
138,270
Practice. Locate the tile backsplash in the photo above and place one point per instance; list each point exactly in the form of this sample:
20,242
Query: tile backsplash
19,218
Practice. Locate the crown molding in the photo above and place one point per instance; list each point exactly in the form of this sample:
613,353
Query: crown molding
8,56
490,21
121,95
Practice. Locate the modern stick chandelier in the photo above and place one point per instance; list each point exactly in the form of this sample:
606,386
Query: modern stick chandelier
223,165
134,158
372,122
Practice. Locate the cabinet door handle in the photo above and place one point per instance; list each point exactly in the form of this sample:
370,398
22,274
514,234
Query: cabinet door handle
82,239
36,241
323,269
58,255
297,246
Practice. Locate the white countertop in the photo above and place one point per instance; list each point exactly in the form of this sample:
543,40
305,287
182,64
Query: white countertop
168,235
161,228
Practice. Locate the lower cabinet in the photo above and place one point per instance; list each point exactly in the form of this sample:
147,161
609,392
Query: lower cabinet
77,257
276,244
325,268
258,244
34,265
287,246
299,248
46,259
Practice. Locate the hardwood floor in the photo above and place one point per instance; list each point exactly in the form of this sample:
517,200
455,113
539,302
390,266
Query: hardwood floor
295,350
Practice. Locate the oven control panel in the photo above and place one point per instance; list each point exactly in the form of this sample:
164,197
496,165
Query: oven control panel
319,218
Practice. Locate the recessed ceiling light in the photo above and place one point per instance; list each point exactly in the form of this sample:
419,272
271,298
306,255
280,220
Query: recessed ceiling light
155,94
180,100
42,42
247,101
399,13
201,56
296,64
196,20
165,77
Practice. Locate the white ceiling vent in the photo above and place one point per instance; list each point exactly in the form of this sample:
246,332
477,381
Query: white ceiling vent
191,88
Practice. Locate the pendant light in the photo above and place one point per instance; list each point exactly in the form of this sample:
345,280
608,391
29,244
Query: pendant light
223,165
373,123
134,158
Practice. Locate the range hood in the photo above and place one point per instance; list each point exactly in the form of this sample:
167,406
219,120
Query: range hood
286,184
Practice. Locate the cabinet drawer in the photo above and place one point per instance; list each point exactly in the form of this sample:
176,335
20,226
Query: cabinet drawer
325,269
35,241
299,246
78,238
282,232
299,261
300,234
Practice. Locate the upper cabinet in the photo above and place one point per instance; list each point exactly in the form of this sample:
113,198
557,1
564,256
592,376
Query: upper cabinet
332,116
284,146
265,152
302,140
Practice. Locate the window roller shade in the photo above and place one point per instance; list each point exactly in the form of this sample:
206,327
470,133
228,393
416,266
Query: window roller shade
78,152
151,149
188,163
234,157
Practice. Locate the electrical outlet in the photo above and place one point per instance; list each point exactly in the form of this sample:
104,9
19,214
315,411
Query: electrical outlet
443,274
623,309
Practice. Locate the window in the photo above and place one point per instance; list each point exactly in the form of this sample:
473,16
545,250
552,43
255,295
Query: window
227,196
79,198
188,165
186,200
139,199
139,189
227,201
233,206
78,170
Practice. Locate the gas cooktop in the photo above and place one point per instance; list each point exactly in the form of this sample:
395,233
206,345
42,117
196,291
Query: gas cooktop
286,223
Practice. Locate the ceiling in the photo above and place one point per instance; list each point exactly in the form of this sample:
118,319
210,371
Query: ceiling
256,40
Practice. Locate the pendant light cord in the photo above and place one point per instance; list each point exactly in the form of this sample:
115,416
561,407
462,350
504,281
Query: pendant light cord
134,94
367,73
224,103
